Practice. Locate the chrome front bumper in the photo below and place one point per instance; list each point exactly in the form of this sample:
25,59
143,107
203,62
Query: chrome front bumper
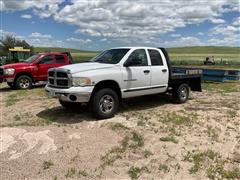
72,94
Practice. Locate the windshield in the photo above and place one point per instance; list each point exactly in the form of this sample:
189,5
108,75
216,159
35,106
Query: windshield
112,56
32,58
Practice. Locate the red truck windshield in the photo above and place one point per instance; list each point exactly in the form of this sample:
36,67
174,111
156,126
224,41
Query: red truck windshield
32,58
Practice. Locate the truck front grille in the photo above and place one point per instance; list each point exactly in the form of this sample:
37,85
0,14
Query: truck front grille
59,78
1,71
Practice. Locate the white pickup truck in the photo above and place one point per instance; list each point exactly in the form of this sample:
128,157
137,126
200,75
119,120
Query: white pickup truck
119,73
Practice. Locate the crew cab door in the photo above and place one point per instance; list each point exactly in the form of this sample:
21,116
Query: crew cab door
136,74
159,70
60,60
43,65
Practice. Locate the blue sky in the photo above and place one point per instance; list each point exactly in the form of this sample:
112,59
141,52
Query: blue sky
101,24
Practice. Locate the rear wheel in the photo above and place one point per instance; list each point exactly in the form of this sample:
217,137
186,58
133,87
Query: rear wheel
181,93
24,82
105,103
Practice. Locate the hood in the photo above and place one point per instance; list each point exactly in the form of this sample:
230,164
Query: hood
15,65
82,67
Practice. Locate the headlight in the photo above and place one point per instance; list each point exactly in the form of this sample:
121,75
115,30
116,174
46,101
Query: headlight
9,71
81,81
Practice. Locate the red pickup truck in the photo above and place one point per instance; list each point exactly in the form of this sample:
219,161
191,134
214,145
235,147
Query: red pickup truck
24,74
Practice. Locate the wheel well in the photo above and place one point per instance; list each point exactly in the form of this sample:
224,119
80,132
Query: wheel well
22,74
108,84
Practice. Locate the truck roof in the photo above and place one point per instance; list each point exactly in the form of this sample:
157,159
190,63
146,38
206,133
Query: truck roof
52,52
137,47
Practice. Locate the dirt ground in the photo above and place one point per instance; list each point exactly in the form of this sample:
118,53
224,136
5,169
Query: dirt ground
149,138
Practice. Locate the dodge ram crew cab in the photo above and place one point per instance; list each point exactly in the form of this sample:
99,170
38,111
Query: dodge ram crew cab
116,74
24,74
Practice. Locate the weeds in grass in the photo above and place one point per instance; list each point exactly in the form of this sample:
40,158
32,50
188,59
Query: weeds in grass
225,87
232,113
164,168
71,172
17,117
18,94
47,164
198,159
137,140
82,173
118,126
213,163
169,139
141,123
135,172
134,141
178,119
147,153
218,172
212,133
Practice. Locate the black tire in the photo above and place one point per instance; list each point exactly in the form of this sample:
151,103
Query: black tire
11,85
24,82
68,105
105,103
181,93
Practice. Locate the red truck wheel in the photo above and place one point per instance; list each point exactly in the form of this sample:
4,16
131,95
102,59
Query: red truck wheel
24,82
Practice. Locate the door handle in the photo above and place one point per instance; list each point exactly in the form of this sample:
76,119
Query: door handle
164,70
146,71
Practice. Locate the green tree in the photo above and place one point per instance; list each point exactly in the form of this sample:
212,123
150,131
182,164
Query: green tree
9,41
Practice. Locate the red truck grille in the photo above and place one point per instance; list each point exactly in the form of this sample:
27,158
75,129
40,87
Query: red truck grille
59,78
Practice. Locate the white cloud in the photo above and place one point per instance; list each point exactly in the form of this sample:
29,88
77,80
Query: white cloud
229,34
175,35
217,21
38,42
26,16
183,41
133,22
236,22
103,40
39,35
78,40
224,29
136,21
42,8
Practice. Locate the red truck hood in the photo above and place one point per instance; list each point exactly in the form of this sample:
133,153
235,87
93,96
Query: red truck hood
15,65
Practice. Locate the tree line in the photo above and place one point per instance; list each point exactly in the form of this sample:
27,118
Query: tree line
9,41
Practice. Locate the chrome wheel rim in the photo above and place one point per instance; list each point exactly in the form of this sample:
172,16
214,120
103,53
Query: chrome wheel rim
24,83
183,93
106,104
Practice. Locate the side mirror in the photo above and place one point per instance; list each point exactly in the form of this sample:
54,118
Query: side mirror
39,62
127,64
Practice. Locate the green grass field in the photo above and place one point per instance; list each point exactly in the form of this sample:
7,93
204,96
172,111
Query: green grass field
194,56
225,57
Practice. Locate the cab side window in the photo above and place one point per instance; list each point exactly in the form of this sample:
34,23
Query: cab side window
138,58
60,59
156,59
48,59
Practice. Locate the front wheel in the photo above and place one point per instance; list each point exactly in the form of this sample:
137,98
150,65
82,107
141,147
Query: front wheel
105,103
24,82
181,93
